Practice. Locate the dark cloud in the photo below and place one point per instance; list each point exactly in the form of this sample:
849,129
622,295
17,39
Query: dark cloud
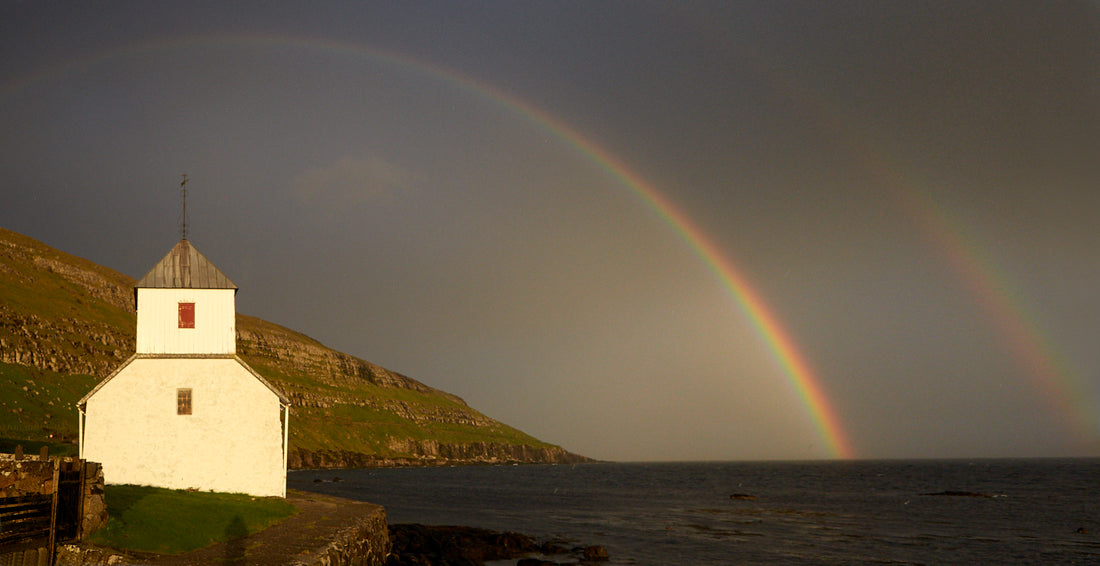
909,188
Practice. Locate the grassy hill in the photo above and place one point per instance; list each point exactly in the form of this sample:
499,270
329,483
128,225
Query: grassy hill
66,323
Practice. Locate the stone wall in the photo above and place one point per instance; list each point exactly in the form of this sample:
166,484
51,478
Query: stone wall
365,543
95,503
26,475
81,555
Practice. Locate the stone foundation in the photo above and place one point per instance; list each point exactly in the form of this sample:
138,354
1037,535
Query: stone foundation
78,555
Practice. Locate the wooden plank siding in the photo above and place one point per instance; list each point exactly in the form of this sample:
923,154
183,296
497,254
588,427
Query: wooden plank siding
211,328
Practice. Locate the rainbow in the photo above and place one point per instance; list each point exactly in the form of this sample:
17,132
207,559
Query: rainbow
1063,388
752,304
1060,385
780,345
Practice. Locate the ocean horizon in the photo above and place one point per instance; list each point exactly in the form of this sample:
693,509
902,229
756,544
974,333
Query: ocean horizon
980,510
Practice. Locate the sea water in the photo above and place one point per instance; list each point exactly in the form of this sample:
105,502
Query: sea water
1043,511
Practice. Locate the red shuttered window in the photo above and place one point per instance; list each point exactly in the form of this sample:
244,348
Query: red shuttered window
187,315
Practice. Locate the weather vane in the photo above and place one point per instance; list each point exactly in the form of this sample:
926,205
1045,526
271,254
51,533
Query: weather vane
183,201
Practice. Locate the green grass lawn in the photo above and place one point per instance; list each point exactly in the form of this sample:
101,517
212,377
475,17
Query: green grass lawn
167,521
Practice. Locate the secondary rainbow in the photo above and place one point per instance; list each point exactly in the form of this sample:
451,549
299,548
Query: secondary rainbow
1062,386
1051,373
779,343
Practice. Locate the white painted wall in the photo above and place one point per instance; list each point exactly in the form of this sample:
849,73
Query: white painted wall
232,441
158,330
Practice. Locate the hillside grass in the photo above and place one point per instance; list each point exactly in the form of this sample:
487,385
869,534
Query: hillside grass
62,307
168,521
358,427
353,428
40,406
50,295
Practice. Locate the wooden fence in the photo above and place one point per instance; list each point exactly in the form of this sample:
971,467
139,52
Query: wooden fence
25,520
33,523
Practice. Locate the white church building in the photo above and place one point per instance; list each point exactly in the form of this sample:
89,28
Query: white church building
184,412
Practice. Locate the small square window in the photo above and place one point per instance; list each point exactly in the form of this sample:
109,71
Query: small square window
183,401
187,315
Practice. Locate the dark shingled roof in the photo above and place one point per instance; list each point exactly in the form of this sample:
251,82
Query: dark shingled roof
185,268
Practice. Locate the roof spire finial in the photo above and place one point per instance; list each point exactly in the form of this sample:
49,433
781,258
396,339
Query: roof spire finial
183,213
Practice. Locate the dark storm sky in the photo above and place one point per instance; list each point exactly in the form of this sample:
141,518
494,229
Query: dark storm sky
910,188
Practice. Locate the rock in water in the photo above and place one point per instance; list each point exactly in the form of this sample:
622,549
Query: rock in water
954,493
423,545
595,553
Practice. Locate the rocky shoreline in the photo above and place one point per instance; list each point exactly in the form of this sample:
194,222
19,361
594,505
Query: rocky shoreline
432,453
423,545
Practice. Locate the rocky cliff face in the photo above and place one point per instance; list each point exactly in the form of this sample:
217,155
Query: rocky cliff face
300,353
432,453
62,313
67,345
260,343
71,316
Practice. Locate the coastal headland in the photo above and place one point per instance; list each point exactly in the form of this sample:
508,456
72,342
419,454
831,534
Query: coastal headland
66,323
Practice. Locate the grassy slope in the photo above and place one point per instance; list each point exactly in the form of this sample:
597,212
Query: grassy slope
51,295
77,298
354,427
39,405
166,521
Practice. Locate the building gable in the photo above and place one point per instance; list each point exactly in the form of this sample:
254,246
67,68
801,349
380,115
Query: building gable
188,422
283,399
